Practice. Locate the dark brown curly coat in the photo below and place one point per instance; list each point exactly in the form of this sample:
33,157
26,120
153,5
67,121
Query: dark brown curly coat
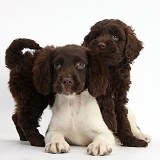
119,47
29,103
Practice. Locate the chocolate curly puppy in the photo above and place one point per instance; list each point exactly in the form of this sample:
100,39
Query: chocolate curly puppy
119,47
29,102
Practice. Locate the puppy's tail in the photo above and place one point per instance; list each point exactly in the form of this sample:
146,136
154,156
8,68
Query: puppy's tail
14,55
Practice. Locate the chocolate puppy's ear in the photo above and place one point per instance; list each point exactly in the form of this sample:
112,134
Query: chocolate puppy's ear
88,38
42,70
98,76
133,45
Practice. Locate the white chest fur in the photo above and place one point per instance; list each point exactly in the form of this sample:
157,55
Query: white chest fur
77,118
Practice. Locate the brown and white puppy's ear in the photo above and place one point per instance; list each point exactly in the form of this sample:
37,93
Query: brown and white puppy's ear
98,75
133,45
42,70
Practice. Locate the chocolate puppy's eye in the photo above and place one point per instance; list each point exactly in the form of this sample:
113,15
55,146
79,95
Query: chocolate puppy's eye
115,38
80,65
57,65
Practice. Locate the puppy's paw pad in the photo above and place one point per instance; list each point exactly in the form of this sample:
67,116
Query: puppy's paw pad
57,147
99,149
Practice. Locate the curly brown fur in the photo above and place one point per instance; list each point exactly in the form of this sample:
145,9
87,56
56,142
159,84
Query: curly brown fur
118,47
29,103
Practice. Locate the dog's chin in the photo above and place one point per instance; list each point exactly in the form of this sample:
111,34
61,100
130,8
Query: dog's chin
69,91
69,94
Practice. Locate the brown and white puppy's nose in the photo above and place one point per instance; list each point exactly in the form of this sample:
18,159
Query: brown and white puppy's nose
67,82
102,45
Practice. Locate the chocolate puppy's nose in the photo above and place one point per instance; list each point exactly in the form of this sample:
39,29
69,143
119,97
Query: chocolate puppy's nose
67,82
102,45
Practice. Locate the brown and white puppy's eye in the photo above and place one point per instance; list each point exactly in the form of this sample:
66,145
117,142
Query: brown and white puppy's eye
57,65
80,65
115,38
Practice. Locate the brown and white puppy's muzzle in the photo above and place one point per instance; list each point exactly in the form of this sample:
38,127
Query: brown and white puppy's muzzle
68,84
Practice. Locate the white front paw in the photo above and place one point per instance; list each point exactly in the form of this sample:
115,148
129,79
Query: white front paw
143,136
98,148
57,147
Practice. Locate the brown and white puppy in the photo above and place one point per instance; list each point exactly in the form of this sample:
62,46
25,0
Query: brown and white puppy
118,48
76,117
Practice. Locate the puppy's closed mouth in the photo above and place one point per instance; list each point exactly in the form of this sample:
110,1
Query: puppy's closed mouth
69,89
66,91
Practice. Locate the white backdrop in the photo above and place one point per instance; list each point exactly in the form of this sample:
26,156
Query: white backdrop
61,22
